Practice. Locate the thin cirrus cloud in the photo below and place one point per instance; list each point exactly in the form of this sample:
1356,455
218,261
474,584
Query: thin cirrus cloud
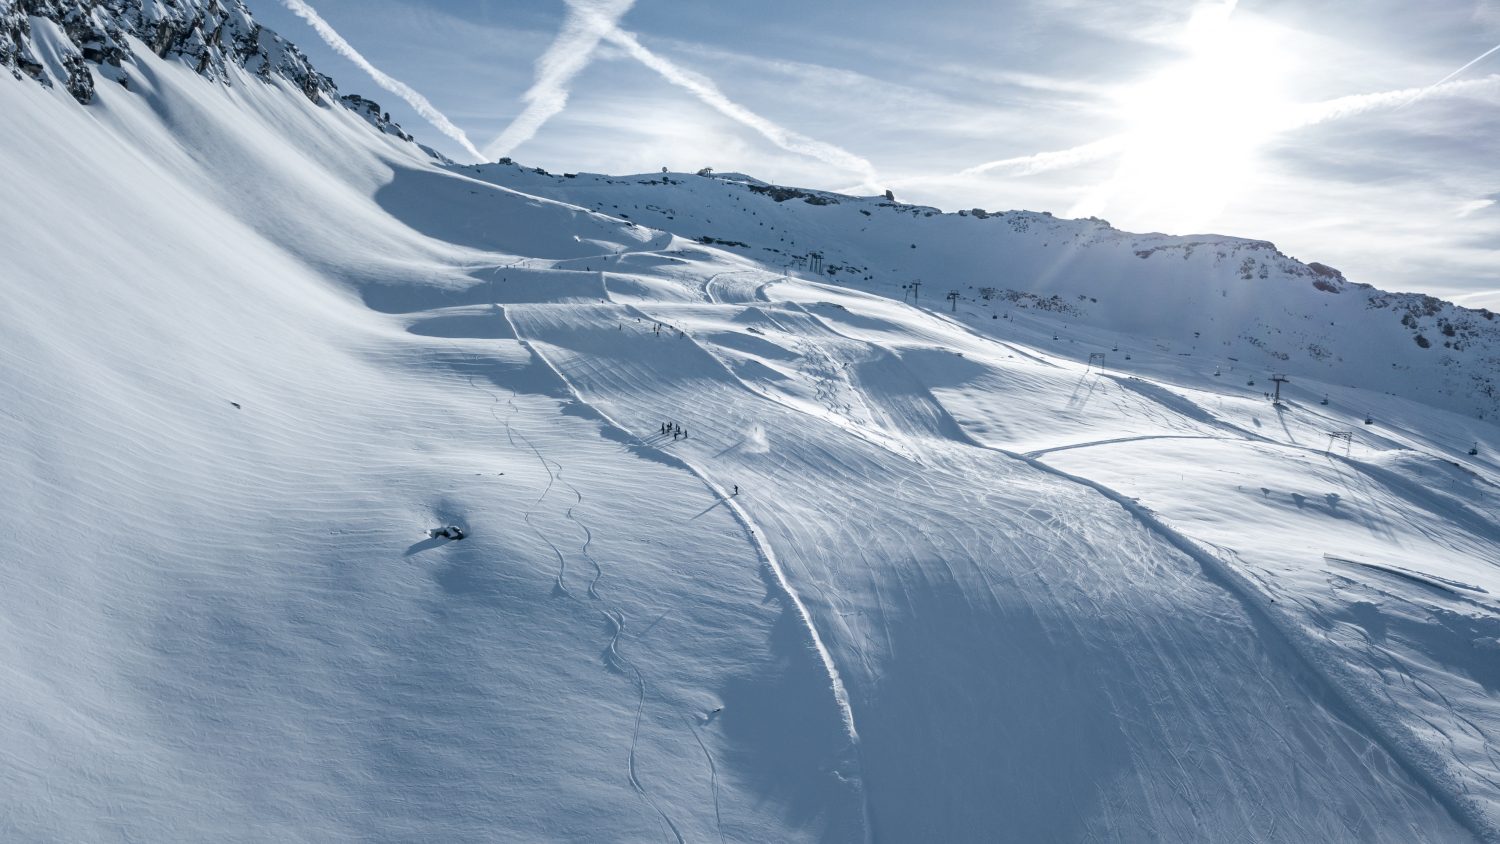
1474,206
419,103
592,21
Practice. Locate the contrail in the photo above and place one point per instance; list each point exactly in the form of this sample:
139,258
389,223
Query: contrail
1041,162
418,102
569,54
1342,107
705,90
1425,91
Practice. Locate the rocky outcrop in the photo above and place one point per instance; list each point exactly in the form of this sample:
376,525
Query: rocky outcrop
211,36
370,110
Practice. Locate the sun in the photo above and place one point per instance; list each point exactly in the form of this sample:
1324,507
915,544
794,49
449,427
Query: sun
1195,127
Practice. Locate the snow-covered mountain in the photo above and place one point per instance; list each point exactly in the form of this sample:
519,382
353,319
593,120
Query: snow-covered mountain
72,43
1016,566
1222,300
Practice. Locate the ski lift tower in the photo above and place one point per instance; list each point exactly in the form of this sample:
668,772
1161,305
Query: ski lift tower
953,297
1096,357
1280,379
1335,437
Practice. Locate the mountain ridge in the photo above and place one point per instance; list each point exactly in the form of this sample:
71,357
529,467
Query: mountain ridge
1221,298
101,37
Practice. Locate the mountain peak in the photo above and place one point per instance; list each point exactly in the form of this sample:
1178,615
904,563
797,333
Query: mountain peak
71,42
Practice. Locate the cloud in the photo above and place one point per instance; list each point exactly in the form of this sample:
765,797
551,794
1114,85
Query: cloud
571,51
1482,56
418,102
1473,206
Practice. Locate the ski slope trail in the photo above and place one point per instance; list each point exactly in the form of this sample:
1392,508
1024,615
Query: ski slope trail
1020,654
1417,505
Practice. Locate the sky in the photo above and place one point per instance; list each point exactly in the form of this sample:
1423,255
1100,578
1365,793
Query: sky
1351,132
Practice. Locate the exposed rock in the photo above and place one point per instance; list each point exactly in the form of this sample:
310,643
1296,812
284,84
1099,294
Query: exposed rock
210,36
80,82
370,110
781,194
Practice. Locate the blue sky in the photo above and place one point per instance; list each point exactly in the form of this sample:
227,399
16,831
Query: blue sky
1304,124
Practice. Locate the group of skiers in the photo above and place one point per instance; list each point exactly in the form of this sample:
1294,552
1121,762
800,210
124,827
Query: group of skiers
676,430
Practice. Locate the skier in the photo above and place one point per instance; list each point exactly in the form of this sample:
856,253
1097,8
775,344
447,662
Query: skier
736,489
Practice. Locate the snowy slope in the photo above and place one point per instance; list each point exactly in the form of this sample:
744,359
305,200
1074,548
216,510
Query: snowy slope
912,575
1222,300
225,622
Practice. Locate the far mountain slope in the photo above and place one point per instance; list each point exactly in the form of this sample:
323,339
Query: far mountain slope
1230,303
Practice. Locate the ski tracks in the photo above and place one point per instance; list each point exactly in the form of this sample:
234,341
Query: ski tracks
713,777
613,657
767,558
1418,761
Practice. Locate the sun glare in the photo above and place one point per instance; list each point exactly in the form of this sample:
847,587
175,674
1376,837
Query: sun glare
1196,126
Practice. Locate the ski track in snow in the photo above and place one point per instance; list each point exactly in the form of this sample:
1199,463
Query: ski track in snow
1115,441
828,376
1418,761
613,616
762,550
713,773
617,660
826,597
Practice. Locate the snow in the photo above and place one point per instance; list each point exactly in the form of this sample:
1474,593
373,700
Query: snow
972,585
